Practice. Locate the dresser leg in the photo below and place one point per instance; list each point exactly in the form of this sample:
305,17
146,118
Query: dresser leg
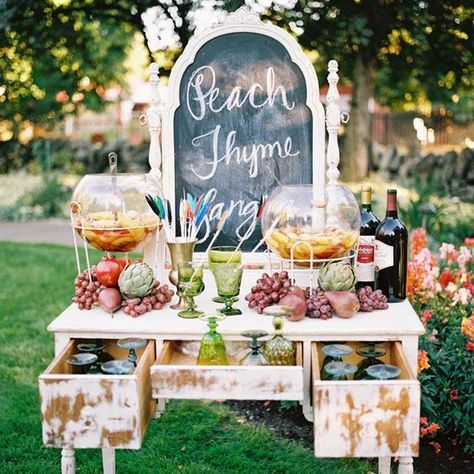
405,466
160,407
384,465
68,461
108,460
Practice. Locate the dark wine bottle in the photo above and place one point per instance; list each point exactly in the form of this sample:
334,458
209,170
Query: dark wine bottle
391,242
365,264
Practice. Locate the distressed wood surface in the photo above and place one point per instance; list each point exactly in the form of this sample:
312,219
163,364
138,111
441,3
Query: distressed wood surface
366,418
175,376
95,411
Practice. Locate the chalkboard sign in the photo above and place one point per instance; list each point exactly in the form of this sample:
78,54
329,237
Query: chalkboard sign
242,127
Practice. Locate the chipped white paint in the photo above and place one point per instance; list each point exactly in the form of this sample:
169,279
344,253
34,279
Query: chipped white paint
177,376
95,411
366,418
77,411
230,383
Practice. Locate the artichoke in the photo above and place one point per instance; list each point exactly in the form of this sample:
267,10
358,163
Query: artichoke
337,276
136,280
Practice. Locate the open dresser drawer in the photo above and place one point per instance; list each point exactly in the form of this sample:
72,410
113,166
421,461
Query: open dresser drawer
175,375
96,410
366,418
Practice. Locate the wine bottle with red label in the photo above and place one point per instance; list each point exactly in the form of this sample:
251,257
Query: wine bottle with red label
365,263
391,244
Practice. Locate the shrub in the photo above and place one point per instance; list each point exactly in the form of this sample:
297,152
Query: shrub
441,290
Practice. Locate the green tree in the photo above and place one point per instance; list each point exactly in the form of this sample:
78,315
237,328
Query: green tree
398,51
58,55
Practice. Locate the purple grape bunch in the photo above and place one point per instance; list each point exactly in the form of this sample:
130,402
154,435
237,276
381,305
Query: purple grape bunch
159,296
269,290
371,299
86,290
318,304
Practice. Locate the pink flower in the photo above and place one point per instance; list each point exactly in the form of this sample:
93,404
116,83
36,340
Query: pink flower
453,395
451,288
462,296
426,316
448,252
470,346
464,257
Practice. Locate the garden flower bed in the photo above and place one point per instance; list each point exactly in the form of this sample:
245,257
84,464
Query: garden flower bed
441,288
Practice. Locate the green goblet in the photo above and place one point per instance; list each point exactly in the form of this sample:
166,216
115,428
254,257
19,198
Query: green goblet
228,277
190,284
223,254
212,350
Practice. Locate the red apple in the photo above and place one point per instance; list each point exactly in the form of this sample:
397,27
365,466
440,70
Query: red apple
108,271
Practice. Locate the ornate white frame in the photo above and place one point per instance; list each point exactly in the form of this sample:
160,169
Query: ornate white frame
243,20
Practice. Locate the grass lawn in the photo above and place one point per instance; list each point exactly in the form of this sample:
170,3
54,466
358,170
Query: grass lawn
191,437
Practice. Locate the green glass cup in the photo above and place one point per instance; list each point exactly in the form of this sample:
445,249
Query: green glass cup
212,350
223,254
228,278
190,284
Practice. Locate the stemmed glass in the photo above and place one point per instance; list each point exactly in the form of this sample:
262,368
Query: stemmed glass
228,278
212,350
95,347
383,372
132,343
254,356
340,370
226,255
370,352
118,367
333,353
191,284
82,362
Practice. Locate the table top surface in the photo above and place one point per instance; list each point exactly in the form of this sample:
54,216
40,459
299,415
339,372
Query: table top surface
398,320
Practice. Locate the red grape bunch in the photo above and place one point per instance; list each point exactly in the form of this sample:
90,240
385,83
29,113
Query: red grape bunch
370,299
318,304
159,296
269,290
86,291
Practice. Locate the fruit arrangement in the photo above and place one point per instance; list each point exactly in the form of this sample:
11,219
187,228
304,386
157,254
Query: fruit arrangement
333,243
156,299
334,296
269,290
115,231
115,283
